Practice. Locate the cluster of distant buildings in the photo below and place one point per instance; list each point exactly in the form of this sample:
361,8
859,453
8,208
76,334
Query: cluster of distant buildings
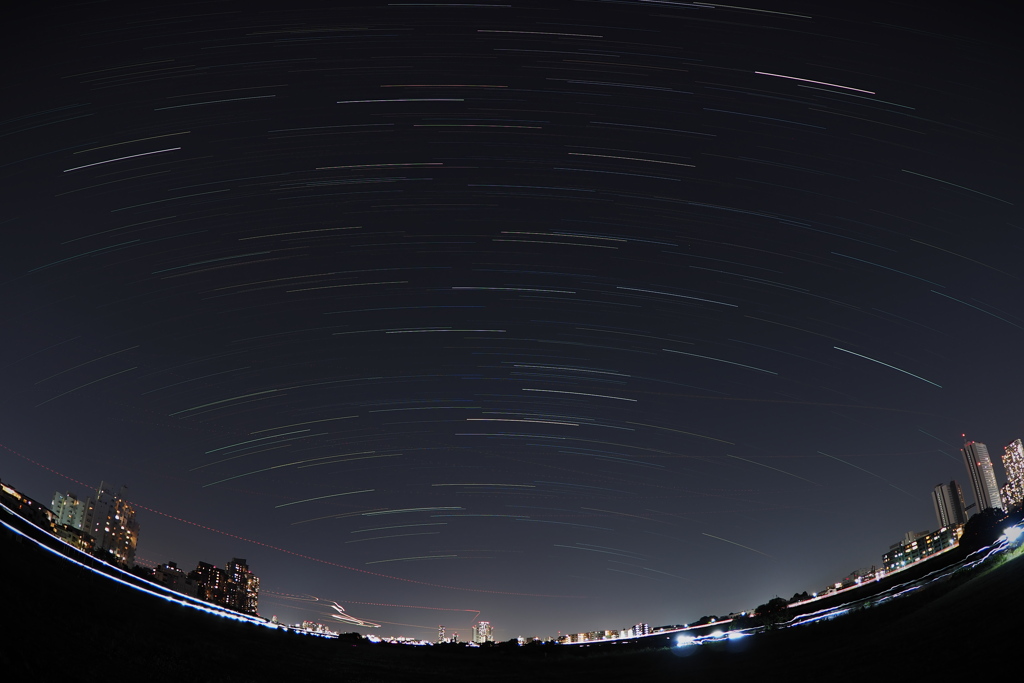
234,586
635,631
987,493
483,632
104,525
951,513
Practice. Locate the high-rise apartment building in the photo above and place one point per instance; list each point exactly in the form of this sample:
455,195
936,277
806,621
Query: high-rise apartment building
67,509
982,476
234,587
243,587
209,582
483,633
1013,464
104,523
948,500
110,520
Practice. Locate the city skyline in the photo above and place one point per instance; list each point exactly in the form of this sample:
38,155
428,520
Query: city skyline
237,588
557,316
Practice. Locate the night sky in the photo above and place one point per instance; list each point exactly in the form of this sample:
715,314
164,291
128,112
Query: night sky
561,315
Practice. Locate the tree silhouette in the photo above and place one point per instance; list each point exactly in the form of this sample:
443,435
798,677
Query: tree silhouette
773,611
983,529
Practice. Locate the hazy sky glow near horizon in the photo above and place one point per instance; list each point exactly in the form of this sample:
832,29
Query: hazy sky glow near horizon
560,315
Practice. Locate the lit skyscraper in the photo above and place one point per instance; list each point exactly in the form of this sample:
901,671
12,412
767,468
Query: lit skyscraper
243,587
104,523
209,582
110,519
1013,464
483,633
234,587
982,476
948,500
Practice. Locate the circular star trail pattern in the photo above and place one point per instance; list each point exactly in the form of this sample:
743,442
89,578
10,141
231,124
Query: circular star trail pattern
562,315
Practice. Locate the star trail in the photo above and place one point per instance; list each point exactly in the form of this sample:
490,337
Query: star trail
542,312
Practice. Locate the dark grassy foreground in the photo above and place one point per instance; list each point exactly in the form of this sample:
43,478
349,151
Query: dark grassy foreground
61,621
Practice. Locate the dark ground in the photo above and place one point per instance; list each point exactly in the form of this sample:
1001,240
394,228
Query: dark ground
60,620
